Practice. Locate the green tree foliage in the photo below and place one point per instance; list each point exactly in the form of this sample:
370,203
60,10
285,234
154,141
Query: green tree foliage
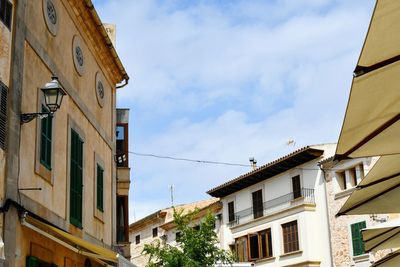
196,246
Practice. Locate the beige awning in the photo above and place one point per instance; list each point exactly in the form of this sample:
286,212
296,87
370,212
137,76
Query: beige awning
76,244
382,236
389,260
379,191
372,122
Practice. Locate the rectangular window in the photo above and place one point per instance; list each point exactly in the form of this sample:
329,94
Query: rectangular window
137,239
231,211
178,236
259,245
6,12
122,145
45,139
122,219
3,114
241,249
358,244
266,243
290,237
155,232
99,193
76,179
296,186
254,246
341,180
257,204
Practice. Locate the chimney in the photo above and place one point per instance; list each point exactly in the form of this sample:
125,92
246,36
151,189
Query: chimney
253,163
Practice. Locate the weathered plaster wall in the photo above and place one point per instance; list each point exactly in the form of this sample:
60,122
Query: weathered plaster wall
47,55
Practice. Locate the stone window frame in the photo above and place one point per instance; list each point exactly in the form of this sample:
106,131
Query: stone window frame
99,78
299,235
77,42
73,125
53,28
98,214
40,169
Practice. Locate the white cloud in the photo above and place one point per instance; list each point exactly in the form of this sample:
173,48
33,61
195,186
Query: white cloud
225,83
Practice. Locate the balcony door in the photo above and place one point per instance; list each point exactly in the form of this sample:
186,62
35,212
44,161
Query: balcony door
257,204
296,186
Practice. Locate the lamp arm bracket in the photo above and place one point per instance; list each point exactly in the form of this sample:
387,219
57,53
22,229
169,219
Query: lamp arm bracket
27,117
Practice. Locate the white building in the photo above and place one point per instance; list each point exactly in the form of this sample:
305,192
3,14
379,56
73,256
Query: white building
159,226
276,215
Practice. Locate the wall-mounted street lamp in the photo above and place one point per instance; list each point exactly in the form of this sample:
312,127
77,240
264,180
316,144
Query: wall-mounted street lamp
53,95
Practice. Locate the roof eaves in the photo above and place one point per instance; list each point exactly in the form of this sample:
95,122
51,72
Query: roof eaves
263,167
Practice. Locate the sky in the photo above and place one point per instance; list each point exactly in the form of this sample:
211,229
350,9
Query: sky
228,80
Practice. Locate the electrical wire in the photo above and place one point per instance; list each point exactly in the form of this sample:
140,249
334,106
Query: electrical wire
190,160
217,162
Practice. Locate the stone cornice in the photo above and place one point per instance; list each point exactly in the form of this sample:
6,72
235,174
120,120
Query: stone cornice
98,41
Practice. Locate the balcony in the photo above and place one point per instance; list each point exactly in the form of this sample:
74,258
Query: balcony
305,196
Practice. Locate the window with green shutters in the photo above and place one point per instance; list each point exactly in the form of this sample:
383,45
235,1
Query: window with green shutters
45,140
99,193
76,184
358,244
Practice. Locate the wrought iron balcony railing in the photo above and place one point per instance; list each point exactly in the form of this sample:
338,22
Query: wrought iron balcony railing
274,205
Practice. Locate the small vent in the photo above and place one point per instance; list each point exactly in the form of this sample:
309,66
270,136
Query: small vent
3,115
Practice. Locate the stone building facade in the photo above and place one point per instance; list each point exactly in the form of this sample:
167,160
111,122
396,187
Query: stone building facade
59,172
341,179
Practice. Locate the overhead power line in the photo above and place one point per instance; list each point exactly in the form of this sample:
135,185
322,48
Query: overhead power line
223,163
190,160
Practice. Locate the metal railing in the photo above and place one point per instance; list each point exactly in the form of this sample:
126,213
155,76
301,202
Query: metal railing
306,195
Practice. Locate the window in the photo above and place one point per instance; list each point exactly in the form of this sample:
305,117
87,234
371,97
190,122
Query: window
45,139
76,181
353,176
266,243
3,115
341,179
350,177
257,204
32,261
137,239
231,211
254,246
296,186
122,144
122,219
155,232
259,244
358,244
178,236
6,12
99,187
290,237
241,249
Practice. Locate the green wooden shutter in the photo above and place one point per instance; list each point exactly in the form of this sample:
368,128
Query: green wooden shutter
76,179
358,244
100,173
45,140
3,115
32,261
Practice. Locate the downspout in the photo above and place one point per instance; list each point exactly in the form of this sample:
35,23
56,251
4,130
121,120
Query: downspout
122,85
327,214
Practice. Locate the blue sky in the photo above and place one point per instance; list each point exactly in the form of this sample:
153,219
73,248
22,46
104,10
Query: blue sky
229,80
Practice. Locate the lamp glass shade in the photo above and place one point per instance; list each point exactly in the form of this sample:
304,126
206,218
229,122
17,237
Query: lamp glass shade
53,94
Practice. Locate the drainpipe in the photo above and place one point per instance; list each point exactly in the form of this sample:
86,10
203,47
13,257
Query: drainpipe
327,213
